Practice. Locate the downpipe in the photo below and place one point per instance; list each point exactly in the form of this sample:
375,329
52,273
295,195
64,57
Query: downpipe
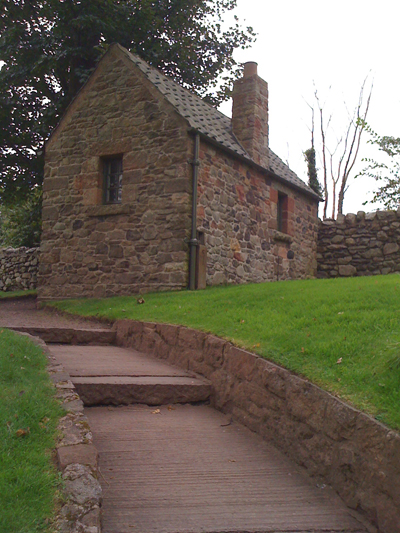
193,242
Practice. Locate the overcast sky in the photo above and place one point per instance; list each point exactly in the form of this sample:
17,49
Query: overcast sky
330,44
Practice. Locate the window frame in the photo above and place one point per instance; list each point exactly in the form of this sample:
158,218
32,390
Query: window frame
112,194
282,212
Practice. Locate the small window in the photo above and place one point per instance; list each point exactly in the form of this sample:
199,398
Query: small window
282,212
112,180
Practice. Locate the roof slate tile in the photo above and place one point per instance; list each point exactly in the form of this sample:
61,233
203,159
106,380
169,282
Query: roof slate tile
207,120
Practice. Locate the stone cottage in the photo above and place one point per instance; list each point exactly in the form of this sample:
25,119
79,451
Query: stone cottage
147,187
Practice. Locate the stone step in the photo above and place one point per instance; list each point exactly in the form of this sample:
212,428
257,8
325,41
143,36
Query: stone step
86,361
110,375
69,335
149,390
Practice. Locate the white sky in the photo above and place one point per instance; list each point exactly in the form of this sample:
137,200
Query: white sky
335,44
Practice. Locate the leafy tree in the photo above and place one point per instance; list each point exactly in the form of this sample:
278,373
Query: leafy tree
309,156
50,47
386,173
20,223
313,182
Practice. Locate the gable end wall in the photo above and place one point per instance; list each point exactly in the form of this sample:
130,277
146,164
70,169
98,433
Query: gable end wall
139,245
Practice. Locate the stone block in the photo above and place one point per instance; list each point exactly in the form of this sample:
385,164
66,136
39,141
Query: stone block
240,363
82,487
347,270
390,248
191,339
85,454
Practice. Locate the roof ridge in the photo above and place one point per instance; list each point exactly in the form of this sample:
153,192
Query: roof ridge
209,121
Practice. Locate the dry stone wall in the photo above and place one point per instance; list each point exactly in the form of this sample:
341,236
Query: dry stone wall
18,268
351,451
359,245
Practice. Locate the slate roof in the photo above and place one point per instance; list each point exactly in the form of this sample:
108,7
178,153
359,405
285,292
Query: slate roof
207,120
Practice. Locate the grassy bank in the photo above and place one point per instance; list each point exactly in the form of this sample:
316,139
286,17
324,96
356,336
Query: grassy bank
28,419
17,294
342,334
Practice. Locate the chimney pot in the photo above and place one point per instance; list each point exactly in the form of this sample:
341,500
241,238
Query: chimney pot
250,69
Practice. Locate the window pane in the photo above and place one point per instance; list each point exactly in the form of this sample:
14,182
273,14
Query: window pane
113,180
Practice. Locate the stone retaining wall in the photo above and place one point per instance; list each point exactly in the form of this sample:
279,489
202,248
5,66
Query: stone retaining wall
18,268
359,245
355,454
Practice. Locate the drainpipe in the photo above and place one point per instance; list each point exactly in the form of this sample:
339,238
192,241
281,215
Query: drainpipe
193,243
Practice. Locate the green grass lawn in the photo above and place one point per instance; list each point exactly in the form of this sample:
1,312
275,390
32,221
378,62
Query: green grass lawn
342,334
29,416
17,294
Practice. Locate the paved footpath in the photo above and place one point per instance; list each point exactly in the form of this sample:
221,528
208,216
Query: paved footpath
172,467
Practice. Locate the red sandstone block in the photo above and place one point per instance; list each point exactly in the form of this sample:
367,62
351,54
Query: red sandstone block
85,454
213,349
240,363
273,195
129,332
191,338
168,332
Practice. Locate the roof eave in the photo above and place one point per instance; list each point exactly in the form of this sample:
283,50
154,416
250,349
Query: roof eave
249,161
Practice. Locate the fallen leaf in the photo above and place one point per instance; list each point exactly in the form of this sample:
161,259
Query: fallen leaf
140,300
339,379
22,432
341,313
22,368
156,412
302,349
381,384
232,461
43,423
170,408
339,360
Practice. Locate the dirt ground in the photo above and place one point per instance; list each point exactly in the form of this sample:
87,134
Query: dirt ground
24,312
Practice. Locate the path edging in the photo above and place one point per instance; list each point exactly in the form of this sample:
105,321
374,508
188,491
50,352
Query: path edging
76,456
357,455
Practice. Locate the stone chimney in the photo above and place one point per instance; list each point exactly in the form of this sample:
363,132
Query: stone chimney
250,114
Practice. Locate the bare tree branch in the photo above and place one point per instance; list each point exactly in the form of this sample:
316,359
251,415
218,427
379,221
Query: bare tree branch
346,150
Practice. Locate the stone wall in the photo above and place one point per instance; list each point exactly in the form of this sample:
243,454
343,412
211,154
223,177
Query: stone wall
237,212
91,249
359,245
18,268
355,454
